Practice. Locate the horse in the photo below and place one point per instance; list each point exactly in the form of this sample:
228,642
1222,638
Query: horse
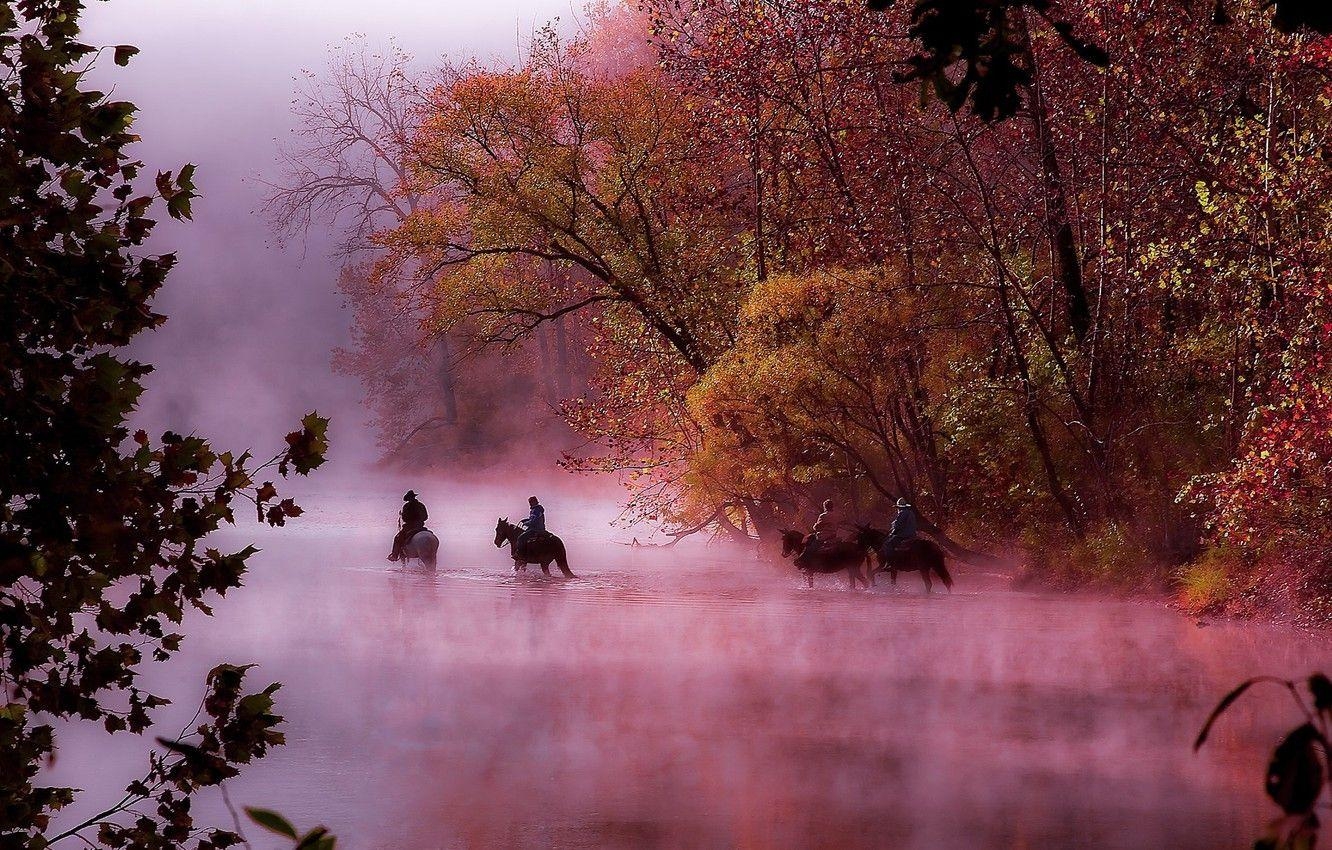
918,555
542,550
832,557
422,545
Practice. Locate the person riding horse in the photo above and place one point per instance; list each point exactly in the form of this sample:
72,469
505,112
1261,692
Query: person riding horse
535,524
824,528
414,517
905,527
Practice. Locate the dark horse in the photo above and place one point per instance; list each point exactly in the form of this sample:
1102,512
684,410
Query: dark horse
832,557
541,550
917,555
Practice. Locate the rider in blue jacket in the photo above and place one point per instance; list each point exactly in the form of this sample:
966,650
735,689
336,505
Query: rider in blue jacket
534,524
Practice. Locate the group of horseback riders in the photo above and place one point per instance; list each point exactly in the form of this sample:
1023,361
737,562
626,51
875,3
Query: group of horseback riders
414,516
821,551
904,529
899,549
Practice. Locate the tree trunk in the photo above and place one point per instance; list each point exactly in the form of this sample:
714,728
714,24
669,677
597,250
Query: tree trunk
544,366
764,518
446,380
563,369
1059,228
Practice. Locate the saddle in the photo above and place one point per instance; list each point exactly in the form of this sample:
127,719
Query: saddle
537,537
899,546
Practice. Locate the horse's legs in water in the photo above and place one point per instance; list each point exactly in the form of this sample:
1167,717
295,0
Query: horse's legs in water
853,572
925,574
809,575
893,575
545,567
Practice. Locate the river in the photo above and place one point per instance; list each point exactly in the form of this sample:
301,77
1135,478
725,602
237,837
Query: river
702,697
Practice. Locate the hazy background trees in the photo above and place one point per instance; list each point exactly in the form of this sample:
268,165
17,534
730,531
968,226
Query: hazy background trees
759,254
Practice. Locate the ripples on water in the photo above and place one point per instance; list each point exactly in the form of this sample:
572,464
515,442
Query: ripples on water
702,698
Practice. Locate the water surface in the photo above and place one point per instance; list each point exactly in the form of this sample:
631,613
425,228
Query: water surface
701,697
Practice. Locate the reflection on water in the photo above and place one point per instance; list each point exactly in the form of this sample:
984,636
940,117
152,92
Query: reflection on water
703,699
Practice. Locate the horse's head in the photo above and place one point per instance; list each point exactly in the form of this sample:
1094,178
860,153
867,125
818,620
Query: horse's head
502,528
792,542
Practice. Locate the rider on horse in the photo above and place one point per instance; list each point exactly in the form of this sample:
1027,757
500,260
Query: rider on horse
535,524
824,527
414,517
904,527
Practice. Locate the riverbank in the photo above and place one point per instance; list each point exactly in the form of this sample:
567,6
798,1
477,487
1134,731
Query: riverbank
1215,584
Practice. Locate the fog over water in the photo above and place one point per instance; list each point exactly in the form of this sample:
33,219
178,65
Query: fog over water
704,698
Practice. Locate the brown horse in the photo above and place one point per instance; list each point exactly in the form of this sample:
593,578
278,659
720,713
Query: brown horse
917,555
543,549
831,557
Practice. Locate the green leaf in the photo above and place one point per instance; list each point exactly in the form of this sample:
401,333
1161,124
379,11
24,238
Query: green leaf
124,52
271,821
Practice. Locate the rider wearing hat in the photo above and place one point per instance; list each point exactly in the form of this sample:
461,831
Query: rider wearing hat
414,517
904,526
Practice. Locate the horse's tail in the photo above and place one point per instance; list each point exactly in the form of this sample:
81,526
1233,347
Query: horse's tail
562,559
941,570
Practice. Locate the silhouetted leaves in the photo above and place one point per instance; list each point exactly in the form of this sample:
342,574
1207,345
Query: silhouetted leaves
1295,776
1321,688
982,37
1288,16
316,839
306,447
1297,772
1293,832
101,529
1226,702
988,39
1292,15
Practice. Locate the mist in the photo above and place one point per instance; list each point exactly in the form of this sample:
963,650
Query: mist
252,324
701,696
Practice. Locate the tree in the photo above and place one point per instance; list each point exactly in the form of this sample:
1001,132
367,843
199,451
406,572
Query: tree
792,404
100,530
437,396
347,162
559,190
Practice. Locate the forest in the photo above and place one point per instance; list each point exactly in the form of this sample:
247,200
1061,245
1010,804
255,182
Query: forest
1062,282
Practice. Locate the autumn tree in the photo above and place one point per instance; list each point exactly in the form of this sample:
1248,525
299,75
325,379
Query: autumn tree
436,396
797,277
562,190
